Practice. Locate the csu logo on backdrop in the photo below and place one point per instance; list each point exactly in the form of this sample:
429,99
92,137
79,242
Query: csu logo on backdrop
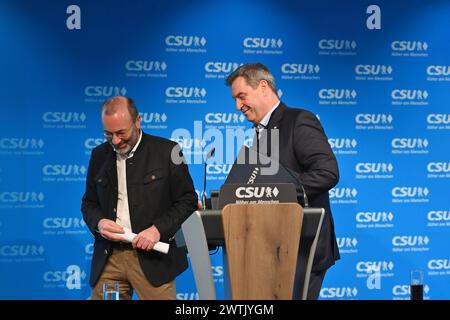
438,170
217,171
439,264
347,245
438,121
409,48
71,278
337,47
374,219
438,73
224,118
410,194
374,170
64,226
21,143
438,215
409,97
219,70
410,146
145,69
337,96
343,195
374,121
104,91
373,72
187,296
410,243
91,143
365,267
185,95
64,170
22,200
261,45
301,71
343,145
153,120
22,253
100,93
402,292
185,43
338,293
67,120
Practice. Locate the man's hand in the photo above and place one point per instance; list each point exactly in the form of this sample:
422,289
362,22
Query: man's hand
146,239
108,228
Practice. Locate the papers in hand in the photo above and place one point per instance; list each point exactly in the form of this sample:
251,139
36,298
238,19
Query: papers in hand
128,236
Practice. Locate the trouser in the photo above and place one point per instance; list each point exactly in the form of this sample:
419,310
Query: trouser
123,267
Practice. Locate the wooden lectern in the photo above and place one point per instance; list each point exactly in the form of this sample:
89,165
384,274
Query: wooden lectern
262,244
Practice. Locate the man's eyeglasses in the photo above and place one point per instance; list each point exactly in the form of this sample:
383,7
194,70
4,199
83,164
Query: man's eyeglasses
122,134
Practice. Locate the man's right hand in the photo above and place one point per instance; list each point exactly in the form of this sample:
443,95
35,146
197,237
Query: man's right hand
108,229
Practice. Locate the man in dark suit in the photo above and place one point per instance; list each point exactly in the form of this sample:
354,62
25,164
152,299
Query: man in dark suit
136,183
302,147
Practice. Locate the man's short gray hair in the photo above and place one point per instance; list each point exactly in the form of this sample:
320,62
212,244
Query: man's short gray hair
253,73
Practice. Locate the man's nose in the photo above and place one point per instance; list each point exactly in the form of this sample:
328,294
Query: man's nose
115,139
238,104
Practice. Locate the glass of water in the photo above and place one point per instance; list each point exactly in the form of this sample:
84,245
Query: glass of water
111,290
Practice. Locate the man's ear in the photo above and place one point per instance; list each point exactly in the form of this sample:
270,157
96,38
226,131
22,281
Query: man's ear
264,85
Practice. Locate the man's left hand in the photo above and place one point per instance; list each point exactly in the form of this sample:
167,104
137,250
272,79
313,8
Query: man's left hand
146,239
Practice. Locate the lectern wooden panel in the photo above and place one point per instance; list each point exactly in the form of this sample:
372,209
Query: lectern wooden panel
262,242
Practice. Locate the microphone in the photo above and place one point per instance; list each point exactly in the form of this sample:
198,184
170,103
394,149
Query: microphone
209,155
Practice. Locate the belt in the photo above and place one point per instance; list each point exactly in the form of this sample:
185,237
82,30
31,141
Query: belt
122,245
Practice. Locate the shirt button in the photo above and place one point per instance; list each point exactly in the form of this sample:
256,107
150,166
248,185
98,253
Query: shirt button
106,251
115,210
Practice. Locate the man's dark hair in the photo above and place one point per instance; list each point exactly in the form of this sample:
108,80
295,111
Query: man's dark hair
108,107
253,73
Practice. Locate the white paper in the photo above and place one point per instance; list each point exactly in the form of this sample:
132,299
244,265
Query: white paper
159,246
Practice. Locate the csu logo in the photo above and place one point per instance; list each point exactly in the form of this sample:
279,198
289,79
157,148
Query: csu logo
408,94
374,167
185,92
339,193
225,118
21,250
404,241
371,266
342,143
263,43
368,69
331,44
104,91
370,118
438,167
338,94
438,70
63,170
347,242
185,41
89,249
91,143
72,277
409,143
21,197
63,223
409,46
409,192
439,264
438,118
341,292
218,168
404,290
256,192
21,143
63,117
380,216
145,65
295,68
221,67
151,117
438,215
